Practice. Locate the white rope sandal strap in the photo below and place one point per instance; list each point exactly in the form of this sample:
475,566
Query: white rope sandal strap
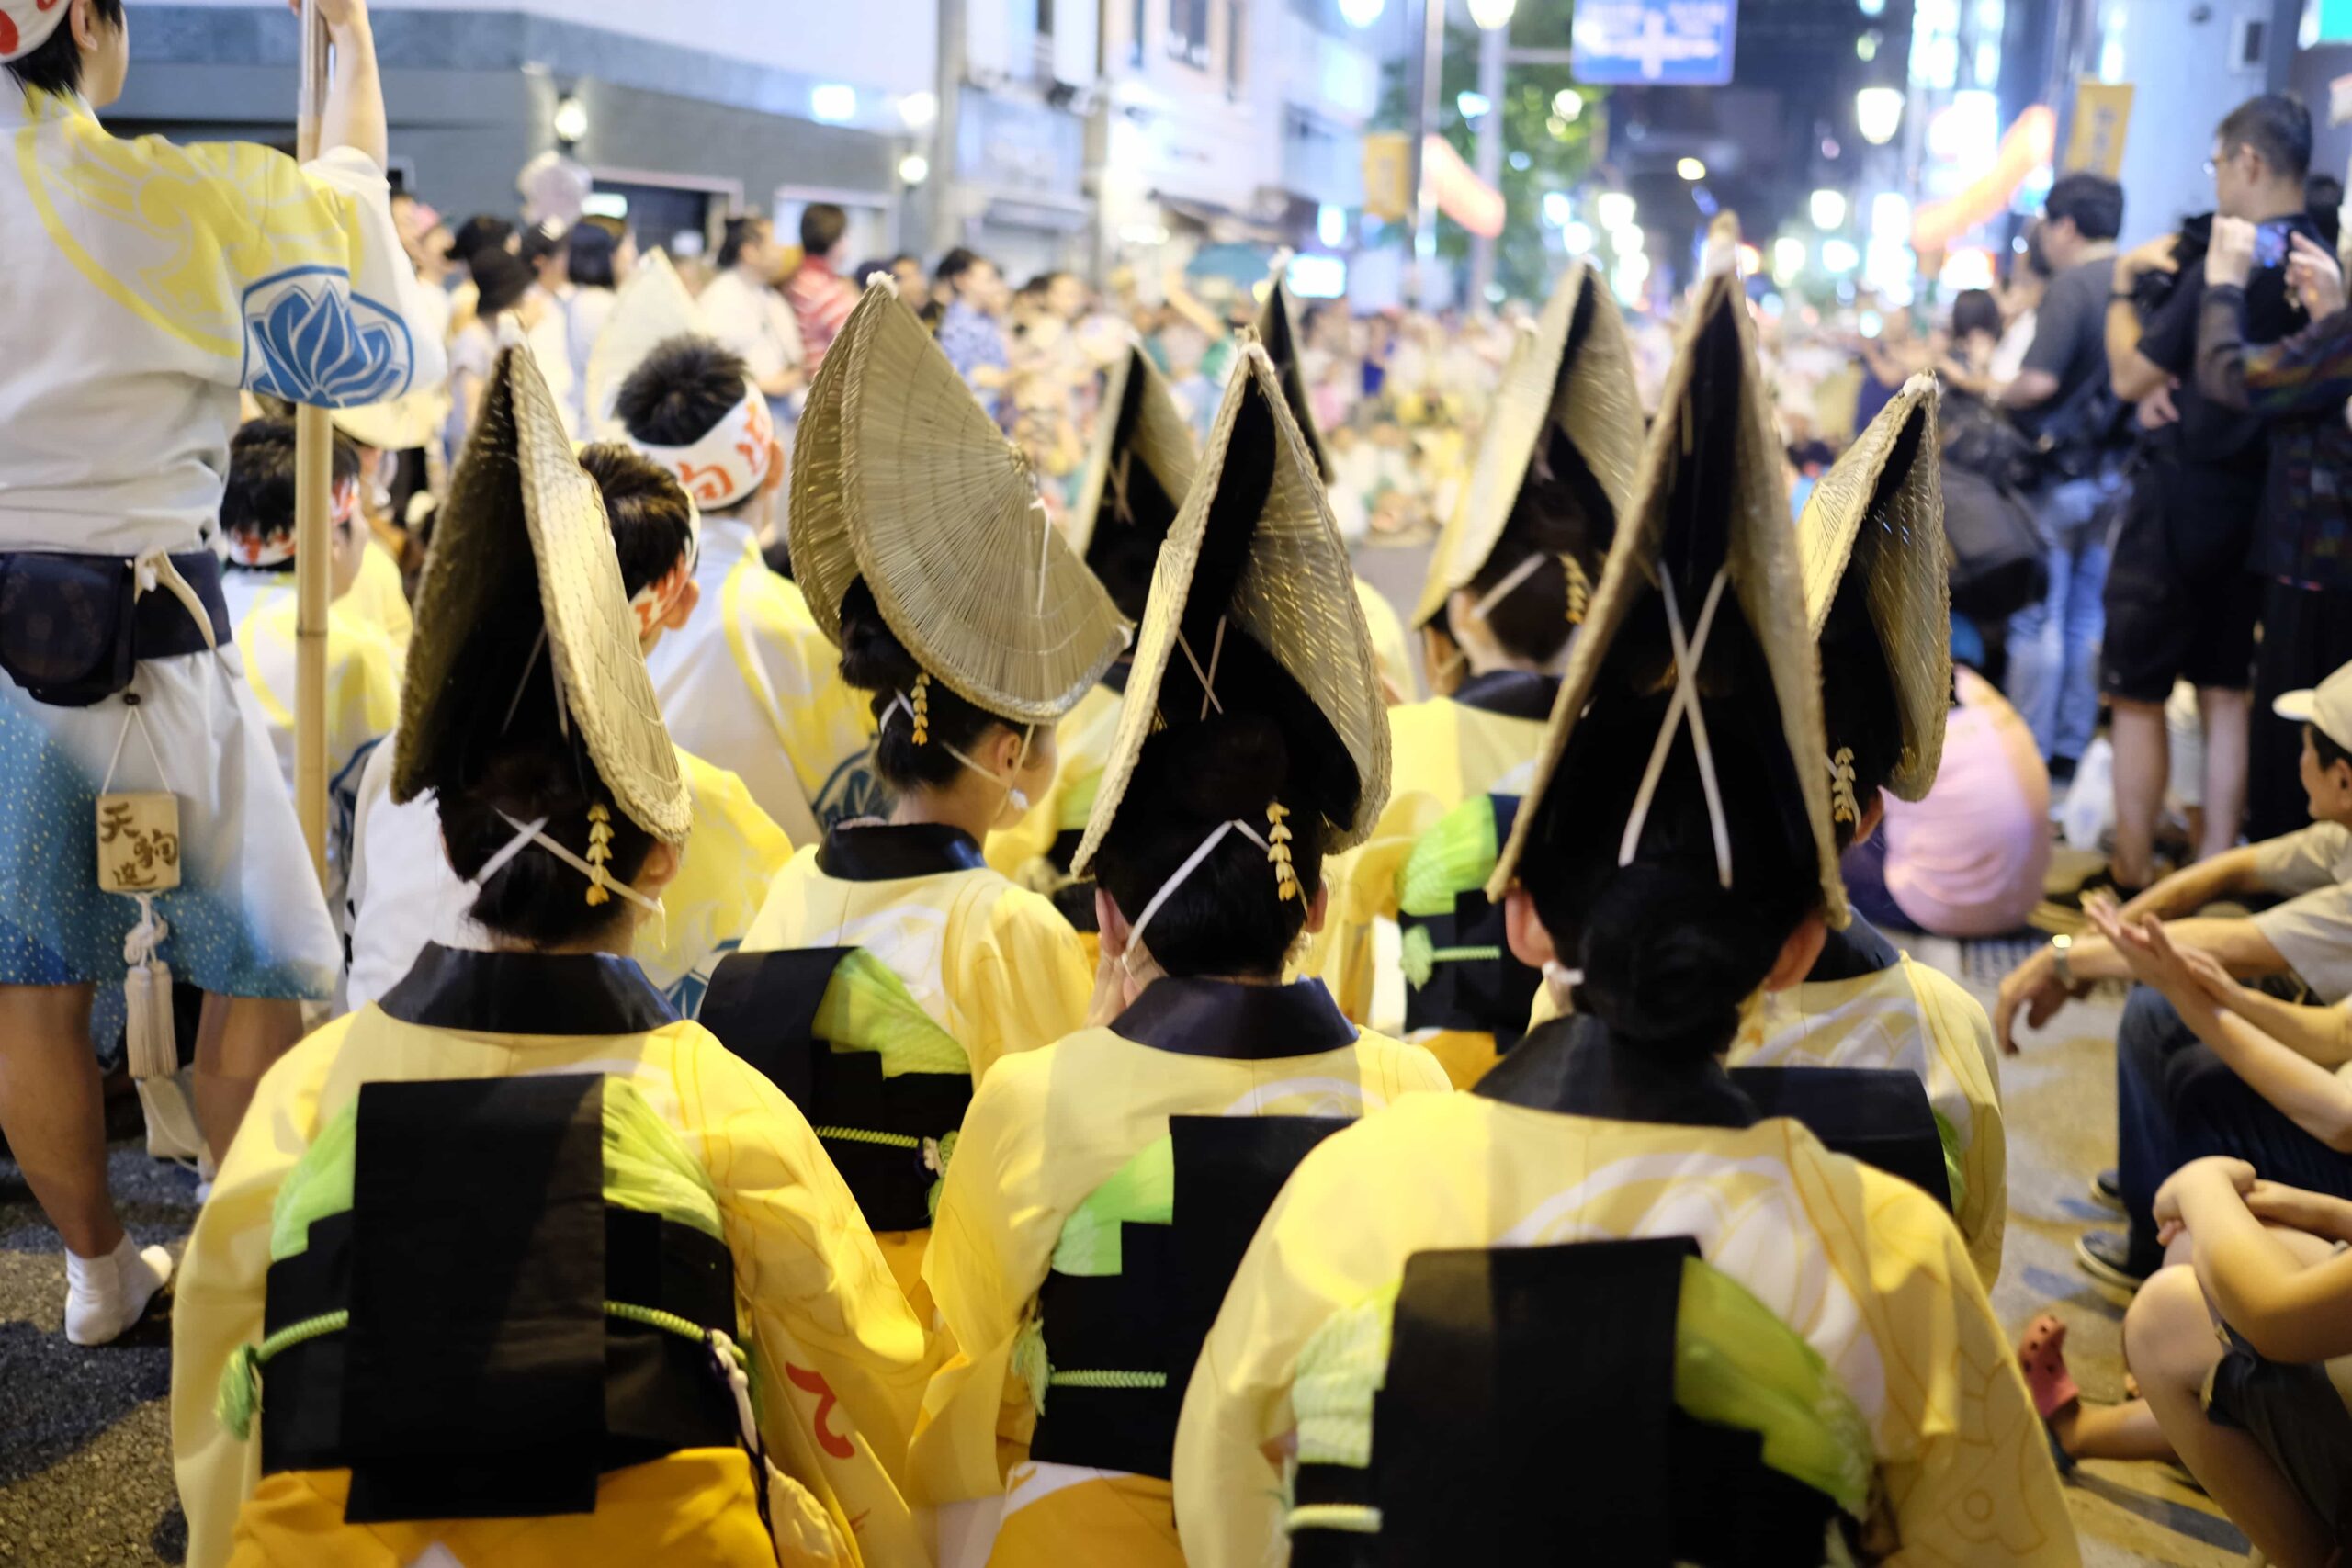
1689,650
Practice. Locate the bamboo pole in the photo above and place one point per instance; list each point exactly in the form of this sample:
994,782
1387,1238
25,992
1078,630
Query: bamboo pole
313,503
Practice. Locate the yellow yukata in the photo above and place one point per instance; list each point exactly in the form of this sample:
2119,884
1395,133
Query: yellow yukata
363,669
1084,738
1481,740
842,1362
1046,1130
1920,1020
378,598
1869,1270
993,965
722,882
751,684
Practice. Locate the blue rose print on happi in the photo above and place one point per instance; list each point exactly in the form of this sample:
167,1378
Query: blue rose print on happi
309,340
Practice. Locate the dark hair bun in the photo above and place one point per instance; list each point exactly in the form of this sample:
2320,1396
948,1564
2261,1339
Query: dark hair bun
872,659
534,895
1658,946
1229,766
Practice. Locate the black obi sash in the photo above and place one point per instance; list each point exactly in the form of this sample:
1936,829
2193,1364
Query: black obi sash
1529,1403
1489,995
884,1133
479,1376
1127,1342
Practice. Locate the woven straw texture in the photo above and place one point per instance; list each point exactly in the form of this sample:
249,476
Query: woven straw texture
520,504
651,307
1868,515
1157,437
900,477
1590,396
1296,596
1762,558
1278,332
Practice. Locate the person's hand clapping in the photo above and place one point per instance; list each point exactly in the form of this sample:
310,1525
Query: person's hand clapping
2314,276
2229,258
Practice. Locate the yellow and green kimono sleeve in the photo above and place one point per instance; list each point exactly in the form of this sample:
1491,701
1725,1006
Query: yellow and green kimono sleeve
844,1363
991,1244
222,1289
1020,977
722,881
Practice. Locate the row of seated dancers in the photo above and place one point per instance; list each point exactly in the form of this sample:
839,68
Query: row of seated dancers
950,1232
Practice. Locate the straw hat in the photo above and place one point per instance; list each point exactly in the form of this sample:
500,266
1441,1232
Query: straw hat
900,475
651,307
401,425
1140,424
1278,334
525,532
1880,512
1709,496
1571,373
1254,554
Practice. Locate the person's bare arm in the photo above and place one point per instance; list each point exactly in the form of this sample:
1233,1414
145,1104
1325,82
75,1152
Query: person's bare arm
2307,1094
2133,374
353,115
1180,301
2034,988
783,384
2321,1035
2031,389
2287,1312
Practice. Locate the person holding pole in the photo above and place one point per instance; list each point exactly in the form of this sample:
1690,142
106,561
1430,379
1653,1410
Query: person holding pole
145,829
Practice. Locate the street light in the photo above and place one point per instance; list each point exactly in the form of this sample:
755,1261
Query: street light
1567,103
1788,257
833,101
1829,207
1362,13
1555,208
570,118
1878,112
914,169
1577,237
1492,14
1839,256
1691,169
1474,105
919,110
1614,209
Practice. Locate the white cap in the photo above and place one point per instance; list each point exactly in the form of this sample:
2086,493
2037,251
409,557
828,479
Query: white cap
2327,707
24,25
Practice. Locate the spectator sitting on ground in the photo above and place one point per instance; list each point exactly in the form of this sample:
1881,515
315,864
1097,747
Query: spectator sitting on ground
2163,1072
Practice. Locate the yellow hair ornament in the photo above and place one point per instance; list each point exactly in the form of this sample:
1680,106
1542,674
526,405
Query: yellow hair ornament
1278,851
600,850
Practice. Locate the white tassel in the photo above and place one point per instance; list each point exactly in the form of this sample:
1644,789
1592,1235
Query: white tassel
150,1040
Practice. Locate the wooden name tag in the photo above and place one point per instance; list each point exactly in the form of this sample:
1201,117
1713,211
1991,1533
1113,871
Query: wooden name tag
139,843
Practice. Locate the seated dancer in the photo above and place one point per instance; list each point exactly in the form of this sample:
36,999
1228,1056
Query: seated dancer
516,1266
1772,1341
957,606
150,285
1506,590
1071,1264
1135,480
1871,543
749,684
257,524
402,893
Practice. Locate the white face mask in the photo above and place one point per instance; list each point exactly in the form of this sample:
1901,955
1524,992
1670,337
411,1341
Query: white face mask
1016,797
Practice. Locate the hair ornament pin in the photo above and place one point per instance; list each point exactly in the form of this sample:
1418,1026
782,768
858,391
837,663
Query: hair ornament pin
923,710
1278,851
1843,807
1580,591
600,850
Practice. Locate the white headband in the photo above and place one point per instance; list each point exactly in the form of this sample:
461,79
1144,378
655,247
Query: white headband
726,466
24,25
652,604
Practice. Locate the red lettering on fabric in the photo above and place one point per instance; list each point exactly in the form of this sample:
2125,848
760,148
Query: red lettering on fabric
828,1439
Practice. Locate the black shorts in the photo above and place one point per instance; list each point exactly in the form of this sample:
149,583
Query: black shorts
2180,605
2296,1414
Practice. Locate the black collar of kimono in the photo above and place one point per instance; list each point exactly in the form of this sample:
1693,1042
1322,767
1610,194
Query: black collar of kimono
888,852
1117,676
1238,1022
1574,1066
1514,693
1861,949
528,993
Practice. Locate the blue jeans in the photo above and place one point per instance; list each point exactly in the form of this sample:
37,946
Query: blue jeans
2054,645
2176,1102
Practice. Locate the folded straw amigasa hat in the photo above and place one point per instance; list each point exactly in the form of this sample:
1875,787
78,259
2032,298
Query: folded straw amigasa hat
1254,607
1140,430
1567,396
1875,524
1278,334
901,477
651,307
1710,504
522,538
